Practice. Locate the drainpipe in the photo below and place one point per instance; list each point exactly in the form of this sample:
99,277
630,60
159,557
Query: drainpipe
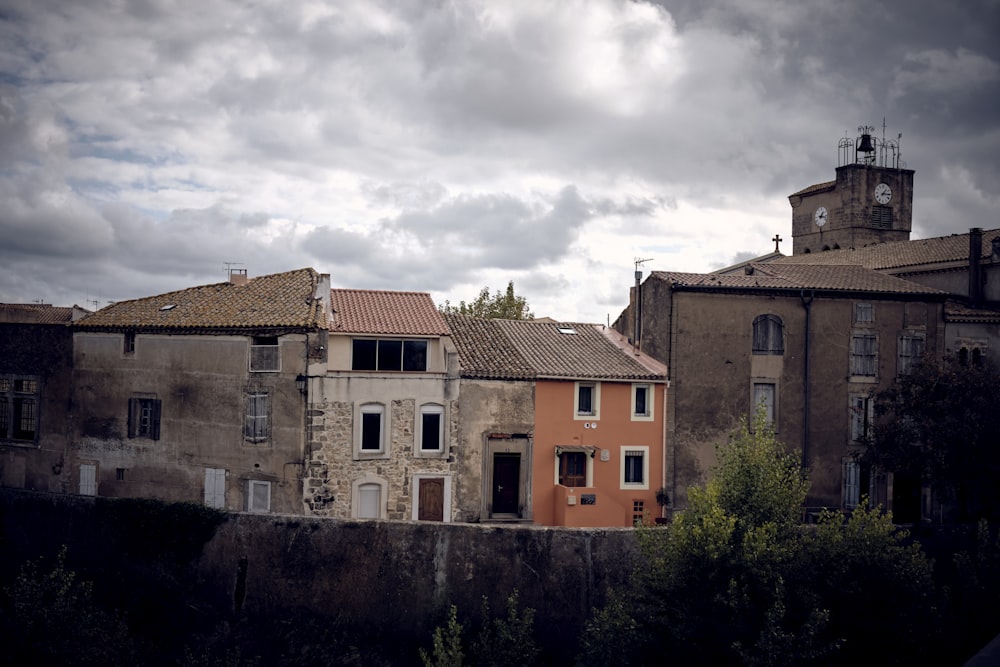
638,309
975,267
807,305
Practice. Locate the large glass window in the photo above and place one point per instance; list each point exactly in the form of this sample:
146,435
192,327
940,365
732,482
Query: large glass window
371,354
19,408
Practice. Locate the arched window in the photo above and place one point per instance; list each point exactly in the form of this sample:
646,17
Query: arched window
768,335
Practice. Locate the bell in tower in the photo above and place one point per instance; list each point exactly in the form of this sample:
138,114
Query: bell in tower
864,148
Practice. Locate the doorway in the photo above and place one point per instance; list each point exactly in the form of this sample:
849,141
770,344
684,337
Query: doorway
506,483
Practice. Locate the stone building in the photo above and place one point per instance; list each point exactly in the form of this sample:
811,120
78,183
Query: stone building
811,343
36,363
198,395
561,424
383,412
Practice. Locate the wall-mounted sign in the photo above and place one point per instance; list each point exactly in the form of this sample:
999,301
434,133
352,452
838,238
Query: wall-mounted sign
588,499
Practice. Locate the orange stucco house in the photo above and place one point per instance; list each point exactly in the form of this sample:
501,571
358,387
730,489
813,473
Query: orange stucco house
563,424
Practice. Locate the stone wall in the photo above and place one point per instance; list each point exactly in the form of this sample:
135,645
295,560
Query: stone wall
389,581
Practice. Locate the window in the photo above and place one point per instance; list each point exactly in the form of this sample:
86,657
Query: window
371,437
119,474
573,469
588,400
264,356
215,487
638,512
763,396
767,335
129,347
857,483
881,217
258,496
144,418
642,402
864,355
862,416
256,423
911,352
19,408
635,467
370,354
369,500
431,428
972,354
88,479
864,313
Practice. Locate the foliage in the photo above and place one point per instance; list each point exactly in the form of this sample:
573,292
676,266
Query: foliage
506,640
939,424
53,619
501,305
609,636
501,641
447,644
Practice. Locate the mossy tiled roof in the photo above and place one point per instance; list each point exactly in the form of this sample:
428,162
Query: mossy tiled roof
35,313
526,349
280,300
771,275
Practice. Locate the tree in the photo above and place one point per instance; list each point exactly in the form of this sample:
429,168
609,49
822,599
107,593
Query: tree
502,305
939,424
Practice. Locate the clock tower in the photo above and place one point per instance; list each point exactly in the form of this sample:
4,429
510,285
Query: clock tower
870,202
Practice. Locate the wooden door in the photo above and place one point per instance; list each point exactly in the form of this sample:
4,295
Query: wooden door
431,499
506,483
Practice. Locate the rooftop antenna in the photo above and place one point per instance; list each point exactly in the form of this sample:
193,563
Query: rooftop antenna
229,268
638,299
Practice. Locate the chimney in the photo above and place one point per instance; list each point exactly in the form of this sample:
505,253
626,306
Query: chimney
238,277
975,267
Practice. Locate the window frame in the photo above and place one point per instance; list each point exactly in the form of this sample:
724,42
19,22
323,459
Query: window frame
862,361
213,496
906,359
257,426
371,408
768,335
20,405
588,454
265,356
383,500
425,410
386,359
771,410
862,414
128,343
863,314
630,451
649,414
251,497
137,406
595,401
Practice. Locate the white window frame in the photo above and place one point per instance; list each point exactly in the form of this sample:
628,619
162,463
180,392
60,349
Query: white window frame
370,408
595,401
253,485
627,450
851,487
88,479
649,415
771,409
215,488
383,500
418,441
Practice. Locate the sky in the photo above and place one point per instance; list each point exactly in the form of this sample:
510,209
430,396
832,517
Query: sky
446,146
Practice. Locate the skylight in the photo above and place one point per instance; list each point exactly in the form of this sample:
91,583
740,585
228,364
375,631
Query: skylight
567,330
169,306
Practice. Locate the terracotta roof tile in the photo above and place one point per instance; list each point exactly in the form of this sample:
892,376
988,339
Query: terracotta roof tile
900,254
385,312
815,188
277,300
526,349
771,275
36,313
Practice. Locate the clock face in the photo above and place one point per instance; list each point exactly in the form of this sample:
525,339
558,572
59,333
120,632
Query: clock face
883,193
820,216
